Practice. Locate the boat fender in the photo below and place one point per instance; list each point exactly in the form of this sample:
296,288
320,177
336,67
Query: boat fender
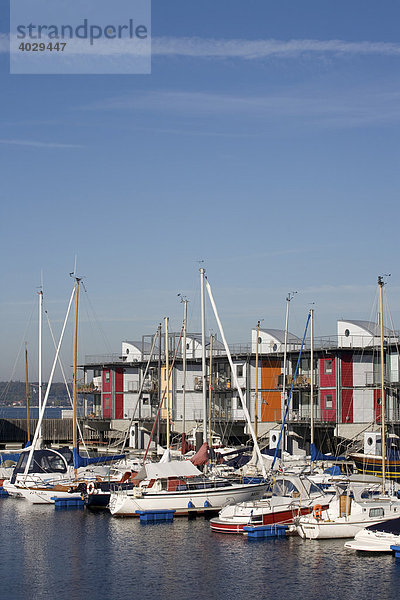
207,504
317,512
190,504
90,487
137,492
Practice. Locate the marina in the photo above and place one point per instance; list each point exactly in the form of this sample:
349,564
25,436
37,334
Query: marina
200,317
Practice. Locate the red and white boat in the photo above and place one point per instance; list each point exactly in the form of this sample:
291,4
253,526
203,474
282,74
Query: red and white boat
292,495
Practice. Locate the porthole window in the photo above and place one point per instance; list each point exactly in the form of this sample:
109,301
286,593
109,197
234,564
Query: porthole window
379,401
259,340
347,332
370,441
275,347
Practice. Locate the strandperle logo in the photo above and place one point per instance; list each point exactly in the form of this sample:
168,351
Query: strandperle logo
84,31
94,37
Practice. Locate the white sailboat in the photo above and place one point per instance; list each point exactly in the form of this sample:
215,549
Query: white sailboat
41,475
355,506
346,516
180,486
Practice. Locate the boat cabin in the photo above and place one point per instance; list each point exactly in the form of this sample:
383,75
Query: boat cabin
43,462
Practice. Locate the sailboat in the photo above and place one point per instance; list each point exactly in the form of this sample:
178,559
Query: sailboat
354,508
180,486
387,463
41,475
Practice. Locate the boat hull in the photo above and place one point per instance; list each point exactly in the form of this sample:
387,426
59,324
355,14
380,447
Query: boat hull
42,496
281,517
127,503
372,465
330,530
372,541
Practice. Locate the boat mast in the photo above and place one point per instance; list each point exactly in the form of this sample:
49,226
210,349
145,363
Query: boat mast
210,395
185,302
383,403
203,354
312,380
256,390
36,436
74,377
167,378
28,428
40,357
235,380
289,297
159,379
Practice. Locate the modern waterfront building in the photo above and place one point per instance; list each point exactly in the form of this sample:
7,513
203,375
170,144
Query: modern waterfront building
346,382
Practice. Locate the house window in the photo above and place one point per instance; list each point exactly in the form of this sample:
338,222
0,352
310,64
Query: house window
328,366
328,402
107,402
239,370
107,377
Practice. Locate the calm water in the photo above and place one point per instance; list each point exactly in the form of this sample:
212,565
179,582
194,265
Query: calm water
71,555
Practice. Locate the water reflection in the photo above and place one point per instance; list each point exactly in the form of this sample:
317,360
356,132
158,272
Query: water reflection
78,554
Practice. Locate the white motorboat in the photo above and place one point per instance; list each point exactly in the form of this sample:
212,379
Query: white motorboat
377,538
292,495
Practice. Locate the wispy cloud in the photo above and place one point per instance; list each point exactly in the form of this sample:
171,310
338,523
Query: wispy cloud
196,47
258,49
349,108
38,144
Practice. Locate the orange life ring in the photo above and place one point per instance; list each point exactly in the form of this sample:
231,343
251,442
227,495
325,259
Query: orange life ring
90,487
317,512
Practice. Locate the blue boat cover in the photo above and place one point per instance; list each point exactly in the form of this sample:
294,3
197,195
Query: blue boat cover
81,461
8,456
317,455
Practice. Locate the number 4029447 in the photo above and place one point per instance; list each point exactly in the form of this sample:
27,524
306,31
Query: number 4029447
42,47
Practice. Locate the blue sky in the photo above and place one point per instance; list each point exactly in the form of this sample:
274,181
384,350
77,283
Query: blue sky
265,142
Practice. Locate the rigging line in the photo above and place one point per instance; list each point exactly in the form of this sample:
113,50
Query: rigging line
163,396
141,388
41,412
391,321
105,339
291,392
7,387
64,377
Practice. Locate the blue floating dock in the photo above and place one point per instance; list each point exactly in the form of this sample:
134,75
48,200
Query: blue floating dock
396,550
265,531
68,502
3,492
156,516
